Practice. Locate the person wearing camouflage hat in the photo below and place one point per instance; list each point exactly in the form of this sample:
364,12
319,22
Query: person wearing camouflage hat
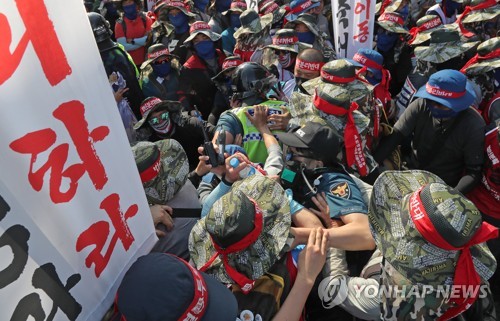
337,95
233,14
308,32
422,31
164,119
447,132
480,13
418,223
253,35
267,7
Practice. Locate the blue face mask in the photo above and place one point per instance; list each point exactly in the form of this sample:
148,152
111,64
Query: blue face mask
372,80
306,37
130,11
404,11
179,21
451,7
205,49
235,20
201,4
440,113
385,41
161,70
222,5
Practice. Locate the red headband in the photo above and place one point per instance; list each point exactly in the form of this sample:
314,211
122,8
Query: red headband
311,66
158,53
271,8
302,7
231,63
152,171
366,61
245,283
352,139
148,105
285,40
392,18
477,58
431,24
335,79
469,9
200,25
436,91
465,272
198,305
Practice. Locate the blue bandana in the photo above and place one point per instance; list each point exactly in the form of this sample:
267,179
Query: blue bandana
222,5
180,22
161,70
306,37
439,113
205,49
130,11
385,41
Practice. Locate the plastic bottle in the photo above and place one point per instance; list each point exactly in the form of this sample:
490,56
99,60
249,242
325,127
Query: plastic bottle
245,172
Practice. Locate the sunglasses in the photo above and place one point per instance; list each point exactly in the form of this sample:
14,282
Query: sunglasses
162,61
156,120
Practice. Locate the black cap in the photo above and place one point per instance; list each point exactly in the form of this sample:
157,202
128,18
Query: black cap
320,139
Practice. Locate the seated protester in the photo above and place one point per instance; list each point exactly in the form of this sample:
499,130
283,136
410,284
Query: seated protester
233,14
218,22
251,82
484,69
175,13
196,86
313,169
372,69
408,204
132,29
447,134
245,242
163,287
336,96
117,63
173,201
446,10
164,119
308,32
224,91
252,36
480,16
162,32
315,8
307,66
390,43
268,6
160,74
286,47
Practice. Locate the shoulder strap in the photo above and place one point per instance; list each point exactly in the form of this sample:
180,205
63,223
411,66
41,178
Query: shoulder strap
124,25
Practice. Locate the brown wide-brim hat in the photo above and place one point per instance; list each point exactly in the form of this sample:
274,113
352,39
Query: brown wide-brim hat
231,214
252,23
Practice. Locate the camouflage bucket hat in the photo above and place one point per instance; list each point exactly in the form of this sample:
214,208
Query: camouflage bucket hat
156,52
169,5
201,27
445,44
286,39
234,217
392,6
487,58
393,22
480,10
271,7
252,23
230,63
308,19
152,104
400,200
338,82
163,168
236,6
423,29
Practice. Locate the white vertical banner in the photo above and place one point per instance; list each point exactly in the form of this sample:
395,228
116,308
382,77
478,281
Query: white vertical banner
73,213
353,25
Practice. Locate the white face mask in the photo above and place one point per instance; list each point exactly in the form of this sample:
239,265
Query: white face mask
163,126
285,60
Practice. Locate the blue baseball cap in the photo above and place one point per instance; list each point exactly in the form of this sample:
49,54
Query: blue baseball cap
161,286
449,88
301,6
371,59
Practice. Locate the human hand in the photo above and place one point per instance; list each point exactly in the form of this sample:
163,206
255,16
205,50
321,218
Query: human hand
259,118
279,121
162,214
233,173
323,212
119,94
313,257
203,167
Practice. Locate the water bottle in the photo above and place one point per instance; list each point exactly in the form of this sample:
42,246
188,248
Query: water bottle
245,172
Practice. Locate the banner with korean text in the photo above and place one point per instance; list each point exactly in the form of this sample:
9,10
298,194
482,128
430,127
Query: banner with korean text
353,25
73,213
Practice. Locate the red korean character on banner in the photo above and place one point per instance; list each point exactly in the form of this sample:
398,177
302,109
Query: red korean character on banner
97,234
72,114
363,26
41,33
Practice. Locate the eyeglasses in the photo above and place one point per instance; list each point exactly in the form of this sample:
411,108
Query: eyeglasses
156,120
162,61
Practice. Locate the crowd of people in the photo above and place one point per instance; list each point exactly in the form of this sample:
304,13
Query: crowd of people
283,180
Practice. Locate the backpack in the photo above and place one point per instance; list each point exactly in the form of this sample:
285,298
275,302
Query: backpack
124,25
